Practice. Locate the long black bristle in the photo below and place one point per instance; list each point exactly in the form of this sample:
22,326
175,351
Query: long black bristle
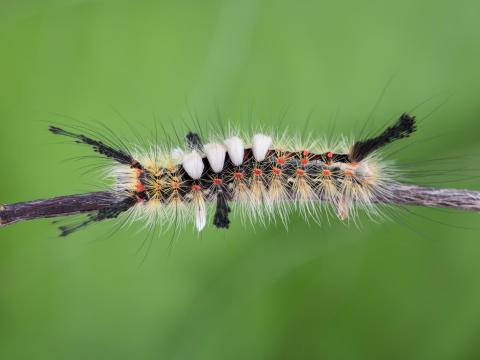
404,126
98,146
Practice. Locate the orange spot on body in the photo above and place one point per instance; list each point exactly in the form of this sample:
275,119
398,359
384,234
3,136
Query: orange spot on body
139,187
349,172
238,175
196,187
175,185
257,171
217,181
300,172
281,160
304,161
326,172
276,171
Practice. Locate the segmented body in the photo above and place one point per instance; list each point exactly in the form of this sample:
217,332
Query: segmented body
259,176
260,184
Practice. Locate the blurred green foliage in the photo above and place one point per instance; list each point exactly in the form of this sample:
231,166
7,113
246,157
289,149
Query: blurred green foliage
405,288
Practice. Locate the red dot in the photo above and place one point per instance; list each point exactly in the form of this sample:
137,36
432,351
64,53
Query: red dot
276,171
139,187
326,172
281,160
196,187
300,172
257,171
304,161
238,175
217,181
329,154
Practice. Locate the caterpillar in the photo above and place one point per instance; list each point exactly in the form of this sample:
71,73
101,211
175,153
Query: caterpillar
259,176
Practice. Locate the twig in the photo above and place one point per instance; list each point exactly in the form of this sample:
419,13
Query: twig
467,200
55,207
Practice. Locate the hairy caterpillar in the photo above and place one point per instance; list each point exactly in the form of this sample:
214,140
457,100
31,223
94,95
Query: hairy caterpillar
259,175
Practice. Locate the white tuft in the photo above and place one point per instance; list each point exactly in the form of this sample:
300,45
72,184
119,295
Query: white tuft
177,155
193,165
200,216
260,145
215,155
235,150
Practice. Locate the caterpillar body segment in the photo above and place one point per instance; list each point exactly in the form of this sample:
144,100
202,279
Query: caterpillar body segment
257,176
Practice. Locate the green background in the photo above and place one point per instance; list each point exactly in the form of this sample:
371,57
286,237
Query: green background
402,288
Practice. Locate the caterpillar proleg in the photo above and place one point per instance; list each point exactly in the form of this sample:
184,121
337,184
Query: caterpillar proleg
259,176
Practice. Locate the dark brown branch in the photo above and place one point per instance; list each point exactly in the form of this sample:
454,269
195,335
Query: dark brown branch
55,207
83,203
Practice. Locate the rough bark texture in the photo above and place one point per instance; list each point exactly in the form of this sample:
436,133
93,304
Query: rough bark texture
55,207
430,197
83,203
